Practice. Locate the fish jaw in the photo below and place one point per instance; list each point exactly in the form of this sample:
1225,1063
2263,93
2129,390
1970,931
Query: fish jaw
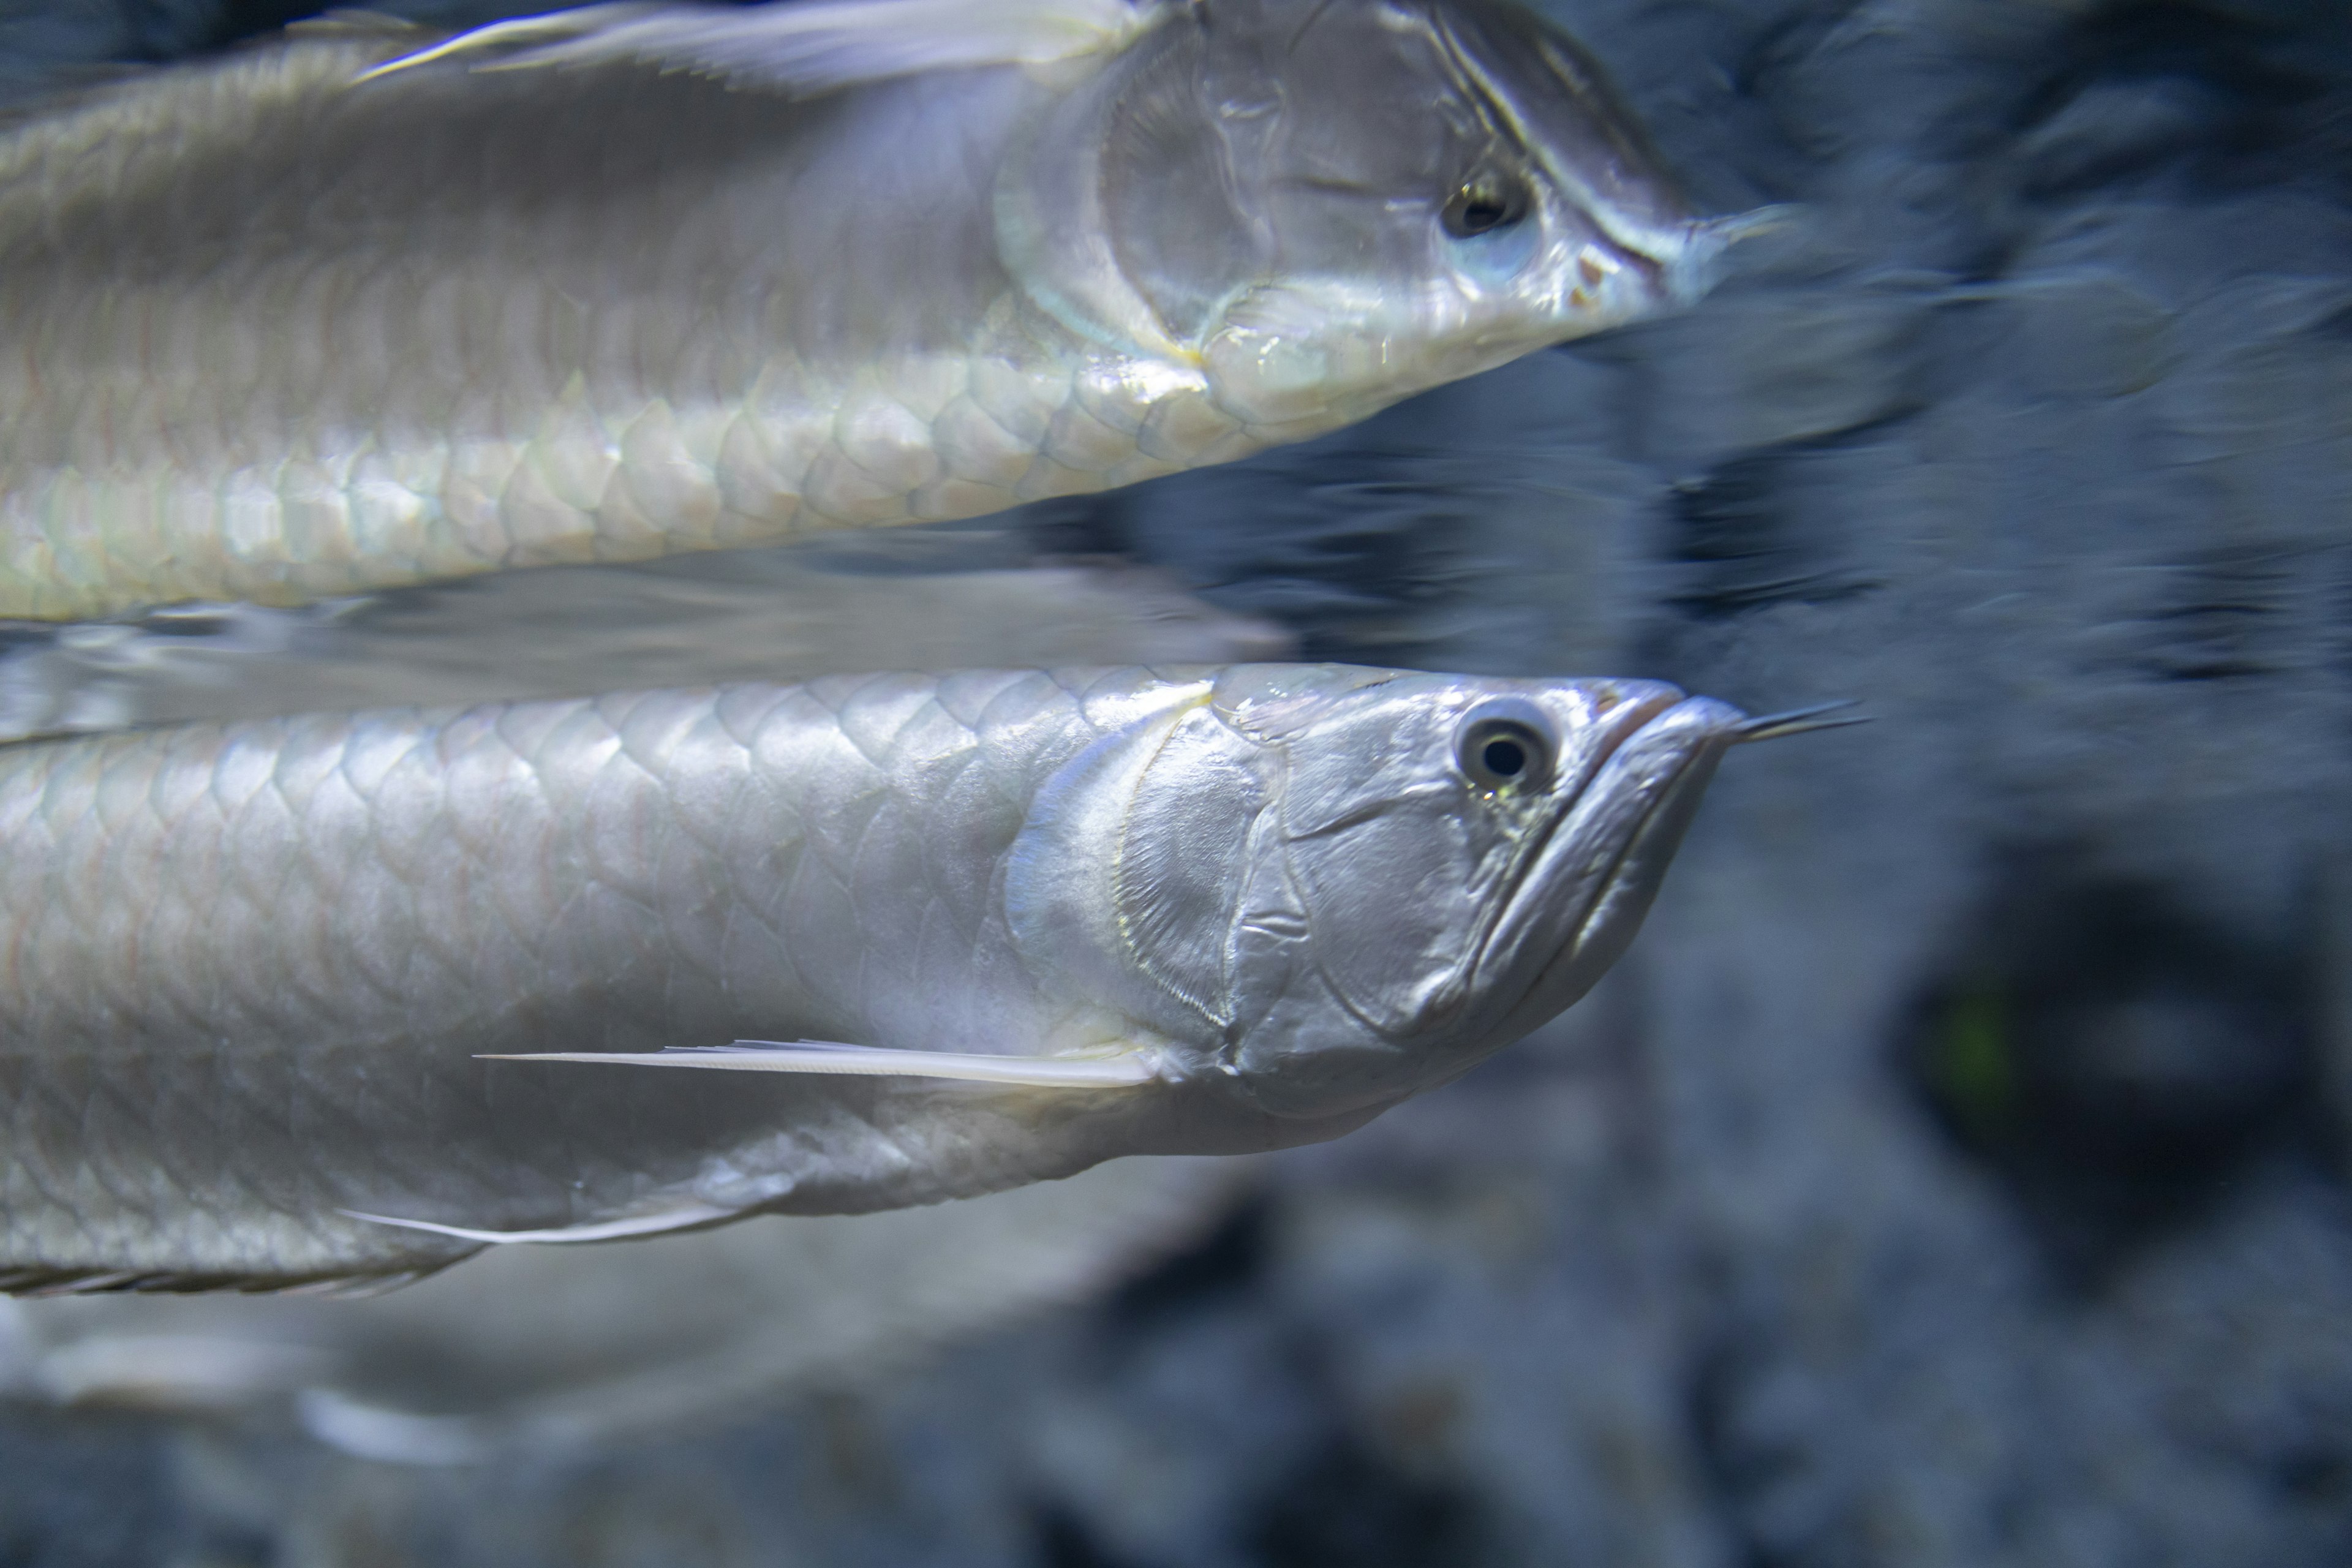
1581,900
1293,358
1563,911
1365,941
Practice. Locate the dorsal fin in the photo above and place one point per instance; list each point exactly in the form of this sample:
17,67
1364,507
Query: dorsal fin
353,23
803,47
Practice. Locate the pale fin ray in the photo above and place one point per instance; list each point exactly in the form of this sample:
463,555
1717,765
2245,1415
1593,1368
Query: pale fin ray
677,1218
518,32
798,48
1125,1070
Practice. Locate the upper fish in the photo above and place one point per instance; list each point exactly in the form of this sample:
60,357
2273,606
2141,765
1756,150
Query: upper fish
916,937
365,307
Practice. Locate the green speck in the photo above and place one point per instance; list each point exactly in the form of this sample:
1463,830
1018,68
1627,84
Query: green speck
1972,1063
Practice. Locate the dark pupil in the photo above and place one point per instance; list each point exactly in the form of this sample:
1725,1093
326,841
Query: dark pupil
1481,215
1504,758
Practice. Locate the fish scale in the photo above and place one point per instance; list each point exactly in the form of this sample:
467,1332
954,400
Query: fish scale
629,805
201,477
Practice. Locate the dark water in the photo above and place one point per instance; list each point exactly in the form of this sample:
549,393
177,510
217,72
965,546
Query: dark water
1953,1172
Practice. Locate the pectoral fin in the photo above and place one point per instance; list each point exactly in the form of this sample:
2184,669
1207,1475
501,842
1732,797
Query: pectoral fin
1122,1070
600,1231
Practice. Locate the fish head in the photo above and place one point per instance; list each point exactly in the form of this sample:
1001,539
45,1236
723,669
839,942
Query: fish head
1330,205
1458,860
1343,886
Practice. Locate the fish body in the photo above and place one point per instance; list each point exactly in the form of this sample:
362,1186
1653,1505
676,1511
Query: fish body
347,312
250,972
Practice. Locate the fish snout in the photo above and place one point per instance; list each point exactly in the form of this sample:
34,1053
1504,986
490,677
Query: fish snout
1699,263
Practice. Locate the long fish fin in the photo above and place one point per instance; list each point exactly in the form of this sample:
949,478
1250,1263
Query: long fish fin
1124,1070
515,40
803,47
678,1218
40,1281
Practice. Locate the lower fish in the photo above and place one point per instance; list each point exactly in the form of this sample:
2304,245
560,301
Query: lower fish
338,1000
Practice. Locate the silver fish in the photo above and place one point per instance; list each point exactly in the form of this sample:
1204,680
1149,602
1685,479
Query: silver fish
535,1347
359,308
925,936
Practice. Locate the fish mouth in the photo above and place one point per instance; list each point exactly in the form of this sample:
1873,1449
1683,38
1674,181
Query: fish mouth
1697,263
1579,893
1634,718
1676,265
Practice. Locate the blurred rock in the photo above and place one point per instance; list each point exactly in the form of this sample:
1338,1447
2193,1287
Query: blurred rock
2116,1058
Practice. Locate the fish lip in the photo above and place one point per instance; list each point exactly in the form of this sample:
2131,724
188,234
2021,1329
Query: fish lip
1520,915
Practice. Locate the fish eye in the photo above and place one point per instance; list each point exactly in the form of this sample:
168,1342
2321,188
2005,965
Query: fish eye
1504,752
1485,204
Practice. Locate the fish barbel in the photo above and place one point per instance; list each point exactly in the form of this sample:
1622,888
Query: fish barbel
925,936
359,308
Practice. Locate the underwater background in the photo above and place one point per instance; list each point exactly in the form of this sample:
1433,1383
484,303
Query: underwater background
1953,1172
